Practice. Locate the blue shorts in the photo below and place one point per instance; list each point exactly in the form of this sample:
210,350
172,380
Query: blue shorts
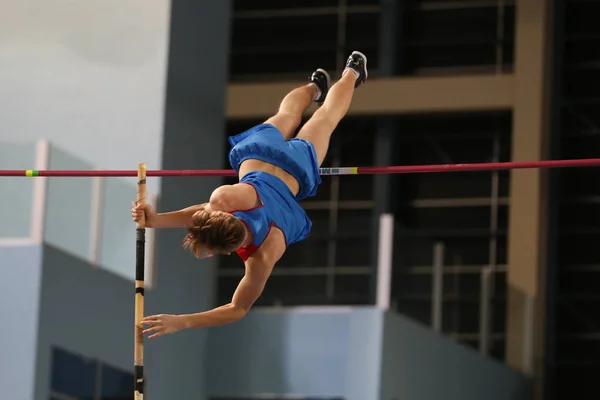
295,156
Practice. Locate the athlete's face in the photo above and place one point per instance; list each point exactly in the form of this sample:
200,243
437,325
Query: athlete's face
208,252
215,232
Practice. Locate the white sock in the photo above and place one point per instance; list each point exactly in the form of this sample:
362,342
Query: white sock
356,73
318,91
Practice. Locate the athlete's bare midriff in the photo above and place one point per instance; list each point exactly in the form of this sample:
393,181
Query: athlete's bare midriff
275,244
258,165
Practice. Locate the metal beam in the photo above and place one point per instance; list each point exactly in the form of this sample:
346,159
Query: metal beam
389,45
387,96
382,190
557,42
303,12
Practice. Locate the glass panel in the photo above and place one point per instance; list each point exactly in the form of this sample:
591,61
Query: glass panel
295,290
579,248
353,252
352,289
116,384
458,36
16,193
357,187
117,243
68,217
407,286
418,309
362,32
311,252
320,223
452,25
73,375
355,223
460,316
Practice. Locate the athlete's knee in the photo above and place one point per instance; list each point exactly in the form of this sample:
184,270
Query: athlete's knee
327,116
288,118
286,122
322,122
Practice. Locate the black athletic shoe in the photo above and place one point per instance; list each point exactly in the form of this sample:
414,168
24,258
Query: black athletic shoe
321,78
358,62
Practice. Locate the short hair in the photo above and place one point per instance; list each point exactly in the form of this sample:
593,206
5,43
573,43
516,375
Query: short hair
215,232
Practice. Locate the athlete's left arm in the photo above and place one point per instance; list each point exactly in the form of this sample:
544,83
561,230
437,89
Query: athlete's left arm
248,291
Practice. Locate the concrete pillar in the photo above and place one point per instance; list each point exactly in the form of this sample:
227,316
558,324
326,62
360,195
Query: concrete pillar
194,129
528,219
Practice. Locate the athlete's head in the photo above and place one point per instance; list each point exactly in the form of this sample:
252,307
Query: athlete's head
214,232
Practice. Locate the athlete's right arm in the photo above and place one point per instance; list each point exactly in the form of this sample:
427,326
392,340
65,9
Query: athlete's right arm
174,219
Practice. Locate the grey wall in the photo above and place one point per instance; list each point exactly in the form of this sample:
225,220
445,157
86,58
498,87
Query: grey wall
419,364
193,139
332,351
84,310
20,276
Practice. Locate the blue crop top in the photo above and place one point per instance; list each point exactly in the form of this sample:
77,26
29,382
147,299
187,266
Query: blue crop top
278,208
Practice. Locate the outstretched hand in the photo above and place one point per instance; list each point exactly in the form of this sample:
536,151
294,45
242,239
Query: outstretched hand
162,324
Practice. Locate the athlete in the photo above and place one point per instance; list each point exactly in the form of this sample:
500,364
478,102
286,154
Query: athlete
260,216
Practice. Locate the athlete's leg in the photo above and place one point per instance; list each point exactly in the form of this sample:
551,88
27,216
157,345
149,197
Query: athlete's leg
289,116
321,125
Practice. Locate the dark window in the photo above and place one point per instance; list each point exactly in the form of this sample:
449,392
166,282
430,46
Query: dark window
464,214
73,375
289,39
77,377
577,317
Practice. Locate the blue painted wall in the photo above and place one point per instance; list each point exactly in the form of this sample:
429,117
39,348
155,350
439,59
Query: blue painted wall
363,370
90,311
298,351
419,364
358,354
84,310
20,276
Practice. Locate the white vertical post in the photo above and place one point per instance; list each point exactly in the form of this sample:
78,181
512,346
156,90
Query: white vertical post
437,286
38,212
385,253
96,219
